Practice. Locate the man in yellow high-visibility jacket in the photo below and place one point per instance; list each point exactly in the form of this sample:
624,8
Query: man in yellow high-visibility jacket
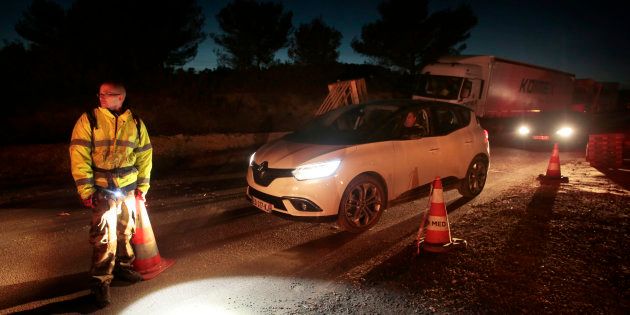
110,154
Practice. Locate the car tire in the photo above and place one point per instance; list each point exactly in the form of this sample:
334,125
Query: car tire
362,204
472,185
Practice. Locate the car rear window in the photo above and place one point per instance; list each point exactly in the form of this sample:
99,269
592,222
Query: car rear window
449,119
464,114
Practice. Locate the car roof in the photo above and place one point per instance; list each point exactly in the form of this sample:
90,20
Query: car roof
404,102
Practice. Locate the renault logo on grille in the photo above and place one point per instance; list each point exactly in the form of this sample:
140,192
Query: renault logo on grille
262,169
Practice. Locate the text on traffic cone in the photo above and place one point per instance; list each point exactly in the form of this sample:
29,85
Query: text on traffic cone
438,232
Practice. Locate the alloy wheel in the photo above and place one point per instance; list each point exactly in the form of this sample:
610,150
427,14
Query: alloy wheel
363,205
477,177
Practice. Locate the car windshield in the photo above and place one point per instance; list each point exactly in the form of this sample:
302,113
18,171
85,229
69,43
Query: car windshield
352,124
439,86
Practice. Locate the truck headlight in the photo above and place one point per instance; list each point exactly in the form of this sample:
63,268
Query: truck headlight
523,130
565,132
316,170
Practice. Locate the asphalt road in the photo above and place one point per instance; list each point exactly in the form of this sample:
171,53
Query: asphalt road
230,257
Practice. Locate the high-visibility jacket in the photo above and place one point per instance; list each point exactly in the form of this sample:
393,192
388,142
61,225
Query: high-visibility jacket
111,154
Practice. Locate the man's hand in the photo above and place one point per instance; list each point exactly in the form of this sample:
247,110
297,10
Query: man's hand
140,195
90,202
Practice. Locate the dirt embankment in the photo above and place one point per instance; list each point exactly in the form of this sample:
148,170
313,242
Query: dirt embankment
539,249
168,151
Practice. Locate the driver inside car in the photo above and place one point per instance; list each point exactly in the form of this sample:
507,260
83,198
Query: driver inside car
412,126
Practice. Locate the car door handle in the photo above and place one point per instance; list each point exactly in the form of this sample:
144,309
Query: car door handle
468,141
434,149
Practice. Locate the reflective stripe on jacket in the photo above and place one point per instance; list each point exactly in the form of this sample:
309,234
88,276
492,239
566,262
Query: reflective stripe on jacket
114,145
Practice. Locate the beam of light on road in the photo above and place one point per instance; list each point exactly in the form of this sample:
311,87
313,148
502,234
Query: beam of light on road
197,308
234,295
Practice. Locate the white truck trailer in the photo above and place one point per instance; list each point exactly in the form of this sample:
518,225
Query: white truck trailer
509,97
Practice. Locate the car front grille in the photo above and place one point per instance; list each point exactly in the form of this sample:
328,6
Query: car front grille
263,175
275,201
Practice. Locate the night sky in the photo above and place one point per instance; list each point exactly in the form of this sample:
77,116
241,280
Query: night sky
588,39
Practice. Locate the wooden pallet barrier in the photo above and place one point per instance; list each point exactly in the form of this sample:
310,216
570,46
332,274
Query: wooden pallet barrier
342,93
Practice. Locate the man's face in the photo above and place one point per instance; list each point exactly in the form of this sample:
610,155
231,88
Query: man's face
111,97
410,120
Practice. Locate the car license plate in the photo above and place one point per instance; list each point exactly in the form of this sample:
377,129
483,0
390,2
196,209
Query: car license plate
540,137
264,206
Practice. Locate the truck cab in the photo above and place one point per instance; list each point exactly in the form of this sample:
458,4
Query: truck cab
503,93
455,83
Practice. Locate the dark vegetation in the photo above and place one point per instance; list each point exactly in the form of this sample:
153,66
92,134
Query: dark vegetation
50,78
279,98
315,43
407,37
252,33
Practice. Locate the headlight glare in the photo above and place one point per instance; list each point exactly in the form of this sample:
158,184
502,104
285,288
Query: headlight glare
316,170
523,130
565,132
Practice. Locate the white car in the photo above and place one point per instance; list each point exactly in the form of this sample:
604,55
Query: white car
349,163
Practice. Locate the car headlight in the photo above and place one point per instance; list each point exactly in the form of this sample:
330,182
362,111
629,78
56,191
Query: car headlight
251,159
523,130
316,170
565,132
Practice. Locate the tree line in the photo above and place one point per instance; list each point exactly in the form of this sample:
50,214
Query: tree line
65,52
131,36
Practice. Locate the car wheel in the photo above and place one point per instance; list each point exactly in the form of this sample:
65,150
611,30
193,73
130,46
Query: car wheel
475,179
362,204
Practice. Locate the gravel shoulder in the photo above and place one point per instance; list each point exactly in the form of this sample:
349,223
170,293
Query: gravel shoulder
538,249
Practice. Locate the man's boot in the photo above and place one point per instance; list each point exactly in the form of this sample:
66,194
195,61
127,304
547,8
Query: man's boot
101,295
127,274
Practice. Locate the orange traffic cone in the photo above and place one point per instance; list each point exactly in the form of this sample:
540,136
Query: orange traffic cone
148,261
438,236
553,170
